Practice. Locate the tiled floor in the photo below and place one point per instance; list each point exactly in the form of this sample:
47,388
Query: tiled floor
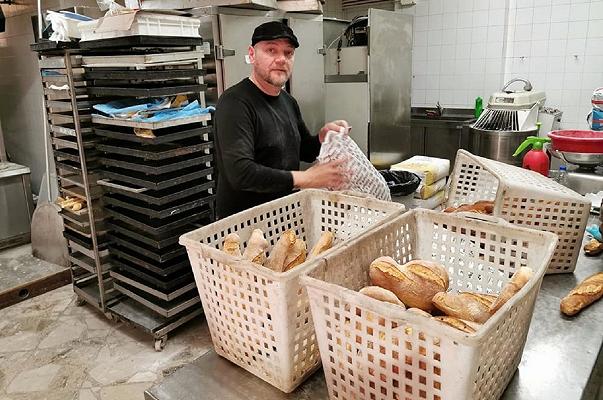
52,349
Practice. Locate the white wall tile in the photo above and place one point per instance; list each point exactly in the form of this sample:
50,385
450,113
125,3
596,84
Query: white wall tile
420,23
478,51
478,67
461,66
524,16
449,21
449,37
571,80
465,5
418,96
479,34
541,31
498,4
576,47
434,37
480,18
465,20
593,48
574,64
554,81
540,48
577,29
557,47
542,14
463,51
434,53
494,66
447,82
524,3
559,30
593,64
419,68
570,97
463,35
497,17
480,4
522,49
579,12
433,68
432,96
523,32
420,38
559,13
451,6
448,53
494,50
591,80
558,2
434,22
538,64
555,64
596,10
540,3
436,7
433,81
419,53
422,8
496,34
595,29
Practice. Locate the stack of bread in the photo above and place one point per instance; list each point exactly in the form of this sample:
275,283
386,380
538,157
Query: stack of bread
433,173
71,203
479,207
288,252
421,287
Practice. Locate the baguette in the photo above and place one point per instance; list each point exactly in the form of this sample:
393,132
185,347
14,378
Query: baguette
593,248
296,256
232,245
324,243
464,306
256,247
457,323
583,295
517,281
278,255
420,312
381,294
414,283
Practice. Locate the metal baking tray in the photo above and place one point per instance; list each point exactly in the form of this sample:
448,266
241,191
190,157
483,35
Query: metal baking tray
157,226
155,151
156,182
69,130
124,276
158,242
82,220
165,268
71,142
156,167
162,307
163,211
135,91
162,136
141,40
162,197
85,231
161,282
84,241
83,261
79,192
78,180
98,119
76,167
141,249
101,74
74,155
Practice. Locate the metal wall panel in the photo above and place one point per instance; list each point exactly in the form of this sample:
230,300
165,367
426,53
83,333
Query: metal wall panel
390,66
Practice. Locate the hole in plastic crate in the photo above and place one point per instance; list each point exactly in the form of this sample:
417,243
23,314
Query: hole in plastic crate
408,389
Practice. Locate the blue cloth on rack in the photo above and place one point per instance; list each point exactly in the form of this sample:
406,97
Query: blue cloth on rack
191,110
149,110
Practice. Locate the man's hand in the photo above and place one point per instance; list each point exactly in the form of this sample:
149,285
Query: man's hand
327,175
333,126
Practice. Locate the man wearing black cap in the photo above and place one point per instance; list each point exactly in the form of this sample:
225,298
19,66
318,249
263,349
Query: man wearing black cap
260,134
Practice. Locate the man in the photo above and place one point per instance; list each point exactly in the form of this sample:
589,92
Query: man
260,134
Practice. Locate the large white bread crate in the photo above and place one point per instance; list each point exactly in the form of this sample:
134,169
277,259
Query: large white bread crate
375,350
260,319
143,23
524,198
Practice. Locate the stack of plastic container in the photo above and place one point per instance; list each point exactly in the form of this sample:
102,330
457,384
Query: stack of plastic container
433,172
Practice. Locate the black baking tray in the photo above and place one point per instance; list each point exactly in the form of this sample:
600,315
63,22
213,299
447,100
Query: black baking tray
151,91
179,264
179,206
165,135
158,242
162,197
143,41
156,167
157,226
156,182
155,151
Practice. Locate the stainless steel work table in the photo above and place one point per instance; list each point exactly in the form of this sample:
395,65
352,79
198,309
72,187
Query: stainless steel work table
562,358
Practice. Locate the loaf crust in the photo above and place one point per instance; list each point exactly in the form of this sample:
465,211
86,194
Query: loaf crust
381,294
256,247
583,295
232,245
464,306
325,242
517,281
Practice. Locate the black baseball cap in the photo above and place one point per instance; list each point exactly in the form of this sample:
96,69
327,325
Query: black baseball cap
273,30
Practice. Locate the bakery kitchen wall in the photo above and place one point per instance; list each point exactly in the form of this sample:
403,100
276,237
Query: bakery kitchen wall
20,86
468,48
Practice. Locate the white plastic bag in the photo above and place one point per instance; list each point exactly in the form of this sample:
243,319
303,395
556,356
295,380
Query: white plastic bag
361,175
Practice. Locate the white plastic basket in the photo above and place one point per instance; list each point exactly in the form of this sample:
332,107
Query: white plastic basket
376,350
260,319
145,23
524,198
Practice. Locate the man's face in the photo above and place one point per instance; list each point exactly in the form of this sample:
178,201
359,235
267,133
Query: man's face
273,60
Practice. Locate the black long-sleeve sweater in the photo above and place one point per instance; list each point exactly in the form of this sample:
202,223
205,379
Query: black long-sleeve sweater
259,139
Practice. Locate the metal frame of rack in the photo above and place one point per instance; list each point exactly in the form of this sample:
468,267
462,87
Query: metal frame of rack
156,177
67,108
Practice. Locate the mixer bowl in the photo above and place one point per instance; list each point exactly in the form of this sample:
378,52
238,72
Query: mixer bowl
577,141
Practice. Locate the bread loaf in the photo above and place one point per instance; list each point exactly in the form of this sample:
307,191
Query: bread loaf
296,255
232,245
593,248
280,251
517,281
324,243
418,311
480,207
414,283
256,247
381,294
586,293
464,305
457,323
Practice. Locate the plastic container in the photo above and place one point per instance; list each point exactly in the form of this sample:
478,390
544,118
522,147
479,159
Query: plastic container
146,23
577,141
260,319
524,198
376,350
562,176
536,159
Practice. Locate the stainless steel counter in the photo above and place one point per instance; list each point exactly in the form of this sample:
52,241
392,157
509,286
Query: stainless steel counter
562,358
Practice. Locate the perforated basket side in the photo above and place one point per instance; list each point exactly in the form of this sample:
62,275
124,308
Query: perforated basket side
260,319
372,349
470,182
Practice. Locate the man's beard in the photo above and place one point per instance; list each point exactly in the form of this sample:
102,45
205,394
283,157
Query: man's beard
278,82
